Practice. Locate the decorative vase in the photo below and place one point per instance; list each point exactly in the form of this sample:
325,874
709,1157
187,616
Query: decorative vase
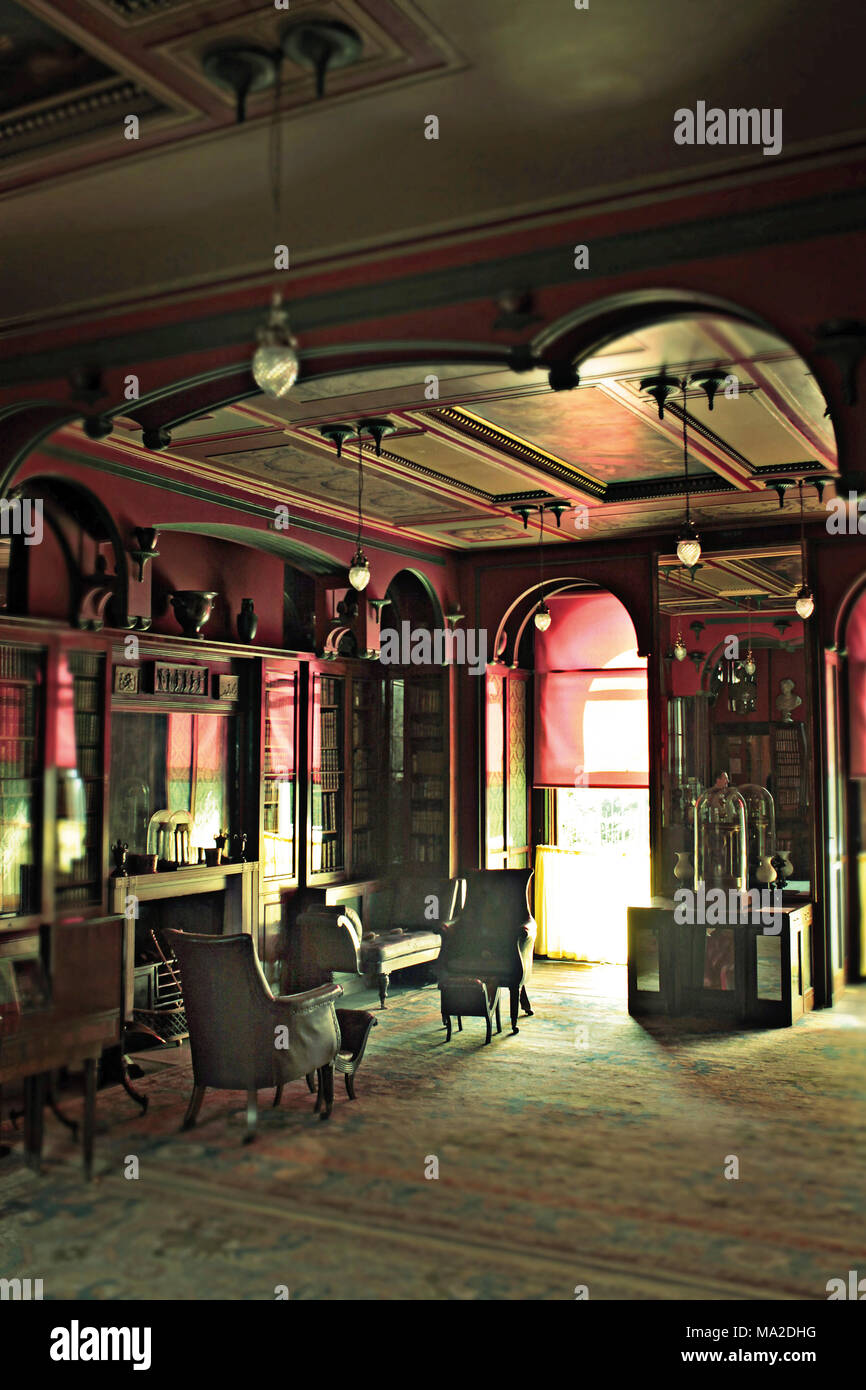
683,869
192,608
247,620
766,874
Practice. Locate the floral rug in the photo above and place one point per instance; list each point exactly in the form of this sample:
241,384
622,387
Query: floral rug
588,1150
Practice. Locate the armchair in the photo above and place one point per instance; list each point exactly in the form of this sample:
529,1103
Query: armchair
233,1020
493,939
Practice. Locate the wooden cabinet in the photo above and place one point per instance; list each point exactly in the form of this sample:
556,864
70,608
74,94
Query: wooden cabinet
345,771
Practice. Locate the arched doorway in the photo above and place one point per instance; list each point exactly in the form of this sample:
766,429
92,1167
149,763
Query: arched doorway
566,730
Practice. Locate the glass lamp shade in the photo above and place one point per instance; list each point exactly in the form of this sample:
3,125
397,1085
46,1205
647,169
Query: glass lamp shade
680,648
750,666
805,603
359,570
688,546
275,362
542,618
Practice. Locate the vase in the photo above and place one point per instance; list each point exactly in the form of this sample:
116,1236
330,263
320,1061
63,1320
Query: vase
766,873
247,621
192,608
683,869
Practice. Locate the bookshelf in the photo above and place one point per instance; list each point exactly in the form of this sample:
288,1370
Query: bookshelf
328,776
82,884
427,773
279,773
21,682
791,794
365,781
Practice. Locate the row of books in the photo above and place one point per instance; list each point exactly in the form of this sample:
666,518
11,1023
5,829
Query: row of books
329,688
329,855
328,812
17,762
330,761
330,728
87,730
426,761
427,822
428,789
421,728
87,695
85,663
16,663
17,712
425,699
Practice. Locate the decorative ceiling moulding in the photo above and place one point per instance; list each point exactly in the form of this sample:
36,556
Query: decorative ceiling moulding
510,447
396,45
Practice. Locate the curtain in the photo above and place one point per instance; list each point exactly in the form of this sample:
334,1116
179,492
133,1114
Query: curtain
591,729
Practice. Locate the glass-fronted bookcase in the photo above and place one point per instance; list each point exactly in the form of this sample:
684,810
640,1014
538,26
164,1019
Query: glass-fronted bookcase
345,771
420,793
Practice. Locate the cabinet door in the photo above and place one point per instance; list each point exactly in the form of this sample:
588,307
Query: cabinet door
327,801
22,759
80,871
279,842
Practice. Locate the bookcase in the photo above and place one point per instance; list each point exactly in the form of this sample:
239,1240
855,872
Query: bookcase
22,681
279,847
366,756
420,812
790,787
327,840
83,882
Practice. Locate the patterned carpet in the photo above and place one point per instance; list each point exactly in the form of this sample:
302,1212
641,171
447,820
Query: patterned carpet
588,1150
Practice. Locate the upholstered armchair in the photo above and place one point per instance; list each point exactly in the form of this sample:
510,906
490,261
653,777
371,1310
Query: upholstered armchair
494,936
236,1025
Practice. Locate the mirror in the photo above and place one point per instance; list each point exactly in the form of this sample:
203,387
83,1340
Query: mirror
734,694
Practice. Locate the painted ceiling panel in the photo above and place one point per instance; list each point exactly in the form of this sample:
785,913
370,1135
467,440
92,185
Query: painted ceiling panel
322,477
588,430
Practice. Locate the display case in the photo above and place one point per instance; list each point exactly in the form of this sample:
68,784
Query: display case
720,838
419,761
761,828
327,818
79,873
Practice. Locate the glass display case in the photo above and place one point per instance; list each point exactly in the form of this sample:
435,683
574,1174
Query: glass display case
327,776
720,838
761,826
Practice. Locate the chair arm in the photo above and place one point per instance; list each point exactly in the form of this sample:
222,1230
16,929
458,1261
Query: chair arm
334,937
313,1031
355,1026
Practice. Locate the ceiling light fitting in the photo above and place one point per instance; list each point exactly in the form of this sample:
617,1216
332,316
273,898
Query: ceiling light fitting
321,44
805,602
359,569
688,541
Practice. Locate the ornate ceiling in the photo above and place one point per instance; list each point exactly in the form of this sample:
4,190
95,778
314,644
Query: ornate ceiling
456,466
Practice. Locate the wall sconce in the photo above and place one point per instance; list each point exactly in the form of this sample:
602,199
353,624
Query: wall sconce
147,538
454,617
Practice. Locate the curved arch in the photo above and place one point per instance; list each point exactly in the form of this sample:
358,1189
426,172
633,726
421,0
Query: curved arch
556,584
293,552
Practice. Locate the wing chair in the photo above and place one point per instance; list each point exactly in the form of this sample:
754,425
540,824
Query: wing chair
241,1037
493,938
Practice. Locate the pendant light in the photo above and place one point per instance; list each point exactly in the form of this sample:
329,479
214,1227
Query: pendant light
680,649
359,569
688,541
805,602
275,362
750,666
541,617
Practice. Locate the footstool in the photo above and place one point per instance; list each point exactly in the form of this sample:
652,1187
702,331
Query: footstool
465,997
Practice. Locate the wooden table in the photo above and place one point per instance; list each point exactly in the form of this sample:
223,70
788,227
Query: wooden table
43,1043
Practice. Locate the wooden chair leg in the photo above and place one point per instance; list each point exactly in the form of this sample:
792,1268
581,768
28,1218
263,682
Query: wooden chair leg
252,1116
459,1024
89,1114
311,1085
383,981
350,1085
194,1106
515,1004
489,1030
498,1014
328,1090
524,1000
448,1026
278,1095
319,1091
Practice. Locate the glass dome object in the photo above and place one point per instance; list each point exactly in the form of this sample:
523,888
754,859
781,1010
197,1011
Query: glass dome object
761,825
721,839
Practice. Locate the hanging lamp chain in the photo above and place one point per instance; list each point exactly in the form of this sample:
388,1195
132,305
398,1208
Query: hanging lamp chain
686,455
276,173
360,485
541,553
